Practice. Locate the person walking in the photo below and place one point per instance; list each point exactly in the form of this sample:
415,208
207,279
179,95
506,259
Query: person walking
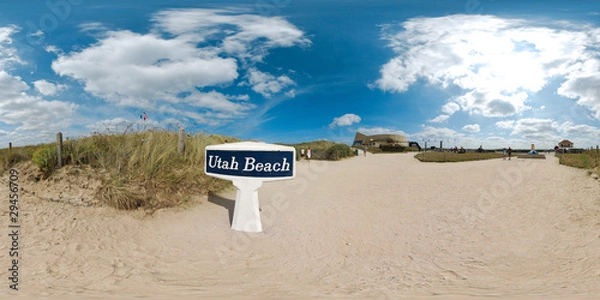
308,154
504,154
509,153
365,151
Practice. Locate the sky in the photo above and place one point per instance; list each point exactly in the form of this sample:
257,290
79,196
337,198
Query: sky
496,73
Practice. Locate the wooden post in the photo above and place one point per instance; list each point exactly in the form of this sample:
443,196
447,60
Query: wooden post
181,146
9,147
59,145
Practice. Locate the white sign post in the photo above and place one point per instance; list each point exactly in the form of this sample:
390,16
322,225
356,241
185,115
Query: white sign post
248,165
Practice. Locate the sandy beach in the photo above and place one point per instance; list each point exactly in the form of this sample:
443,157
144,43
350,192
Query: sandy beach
381,227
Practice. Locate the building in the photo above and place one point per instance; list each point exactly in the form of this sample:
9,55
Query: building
565,144
374,141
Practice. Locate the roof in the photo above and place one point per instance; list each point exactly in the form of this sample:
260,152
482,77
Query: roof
565,142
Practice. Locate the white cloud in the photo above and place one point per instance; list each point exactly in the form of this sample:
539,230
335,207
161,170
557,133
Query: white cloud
93,26
580,130
345,120
497,62
113,125
450,108
582,84
165,69
536,129
29,114
471,128
47,88
440,119
437,133
380,130
242,34
130,69
8,54
267,84
505,124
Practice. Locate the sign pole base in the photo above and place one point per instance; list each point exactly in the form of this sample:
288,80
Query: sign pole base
246,214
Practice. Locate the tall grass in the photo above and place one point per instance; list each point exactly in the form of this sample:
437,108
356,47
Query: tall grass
589,159
324,150
455,157
141,169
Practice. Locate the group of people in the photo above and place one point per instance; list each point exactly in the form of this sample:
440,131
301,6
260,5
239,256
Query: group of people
505,152
308,153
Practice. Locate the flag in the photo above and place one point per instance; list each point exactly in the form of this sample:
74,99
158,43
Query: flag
144,116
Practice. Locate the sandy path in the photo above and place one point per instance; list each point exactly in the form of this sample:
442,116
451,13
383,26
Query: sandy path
384,226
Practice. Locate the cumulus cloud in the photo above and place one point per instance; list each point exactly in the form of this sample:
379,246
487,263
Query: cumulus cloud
440,119
47,88
28,113
345,120
571,129
505,124
8,54
166,69
450,108
437,133
497,62
380,130
267,84
243,35
536,129
471,128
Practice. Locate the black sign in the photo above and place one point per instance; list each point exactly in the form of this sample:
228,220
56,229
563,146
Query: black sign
250,163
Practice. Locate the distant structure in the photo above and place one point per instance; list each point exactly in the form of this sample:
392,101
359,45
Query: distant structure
565,145
361,140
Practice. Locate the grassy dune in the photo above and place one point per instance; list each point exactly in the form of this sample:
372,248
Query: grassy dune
456,157
586,160
141,169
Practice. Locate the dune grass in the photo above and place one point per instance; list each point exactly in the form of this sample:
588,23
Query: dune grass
141,169
456,157
324,150
586,160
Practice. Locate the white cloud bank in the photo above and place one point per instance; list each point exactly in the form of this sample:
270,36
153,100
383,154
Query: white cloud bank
497,62
27,118
471,128
345,120
165,69
47,88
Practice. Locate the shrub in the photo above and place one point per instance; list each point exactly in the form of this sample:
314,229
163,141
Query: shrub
339,151
392,148
46,159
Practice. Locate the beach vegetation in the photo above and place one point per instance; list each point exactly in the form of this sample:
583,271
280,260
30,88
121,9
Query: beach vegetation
339,151
589,159
435,156
139,169
324,150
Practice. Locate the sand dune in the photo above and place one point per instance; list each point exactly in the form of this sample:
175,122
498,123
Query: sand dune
384,227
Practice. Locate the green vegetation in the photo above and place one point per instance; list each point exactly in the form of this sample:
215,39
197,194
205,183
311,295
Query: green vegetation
325,150
455,157
392,149
586,160
144,169
141,169
339,151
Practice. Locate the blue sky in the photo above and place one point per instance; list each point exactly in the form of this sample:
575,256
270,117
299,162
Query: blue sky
469,72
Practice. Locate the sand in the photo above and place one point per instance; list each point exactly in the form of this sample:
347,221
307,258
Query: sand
381,227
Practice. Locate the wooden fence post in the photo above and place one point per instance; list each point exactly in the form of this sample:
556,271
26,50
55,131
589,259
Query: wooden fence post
59,145
9,147
181,146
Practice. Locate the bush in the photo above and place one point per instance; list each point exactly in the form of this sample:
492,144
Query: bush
392,148
46,159
339,151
